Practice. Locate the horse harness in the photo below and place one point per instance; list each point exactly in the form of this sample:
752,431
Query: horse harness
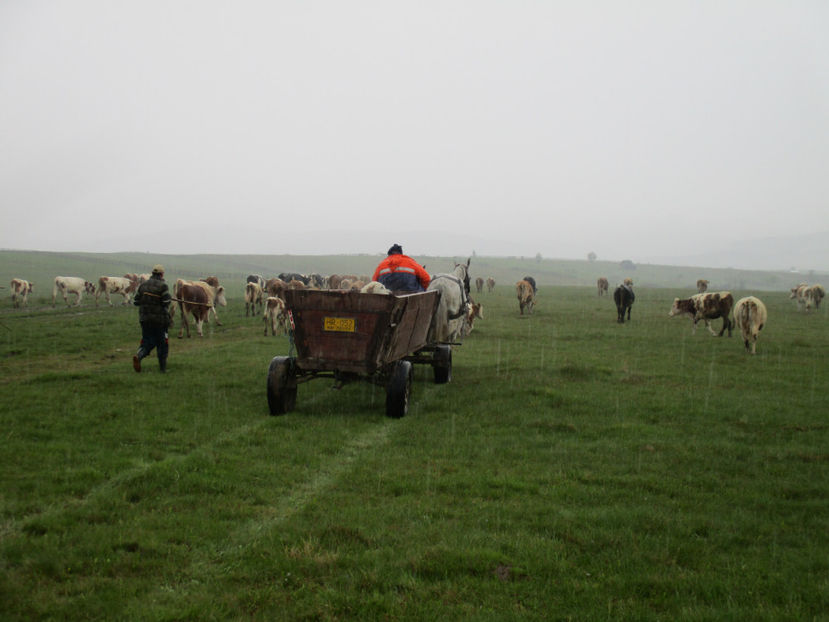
464,300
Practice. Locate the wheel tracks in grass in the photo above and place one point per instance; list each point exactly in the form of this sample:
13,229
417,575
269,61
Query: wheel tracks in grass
124,477
214,558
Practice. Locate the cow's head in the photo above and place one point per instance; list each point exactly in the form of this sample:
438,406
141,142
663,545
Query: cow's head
679,307
220,300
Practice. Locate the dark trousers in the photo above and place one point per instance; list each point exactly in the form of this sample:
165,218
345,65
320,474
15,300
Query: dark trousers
153,336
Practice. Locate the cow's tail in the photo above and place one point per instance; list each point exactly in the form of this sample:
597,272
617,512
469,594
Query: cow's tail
747,310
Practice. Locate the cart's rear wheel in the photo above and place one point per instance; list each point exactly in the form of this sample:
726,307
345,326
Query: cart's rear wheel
398,390
442,364
281,385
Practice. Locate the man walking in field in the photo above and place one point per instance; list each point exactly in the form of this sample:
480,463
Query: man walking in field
153,302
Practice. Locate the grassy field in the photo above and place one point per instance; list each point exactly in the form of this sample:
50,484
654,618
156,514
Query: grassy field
574,468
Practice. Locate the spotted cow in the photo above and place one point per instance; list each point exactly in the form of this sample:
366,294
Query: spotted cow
122,285
706,307
66,285
21,289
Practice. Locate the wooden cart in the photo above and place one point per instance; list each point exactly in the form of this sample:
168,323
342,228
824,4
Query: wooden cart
350,336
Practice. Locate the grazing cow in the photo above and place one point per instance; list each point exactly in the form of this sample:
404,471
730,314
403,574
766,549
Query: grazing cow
375,287
316,281
122,285
197,298
526,296
71,285
276,287
479,284
702,286
624,298
602,285
20,289
473,310
490,284
253,296
708,306
531,281
814,295
750,316
275,316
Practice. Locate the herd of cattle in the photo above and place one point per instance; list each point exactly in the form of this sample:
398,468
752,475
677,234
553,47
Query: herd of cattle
199,299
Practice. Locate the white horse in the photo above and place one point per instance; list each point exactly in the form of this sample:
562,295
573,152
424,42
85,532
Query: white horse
449,320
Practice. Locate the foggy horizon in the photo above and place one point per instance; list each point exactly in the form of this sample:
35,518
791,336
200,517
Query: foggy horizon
661,132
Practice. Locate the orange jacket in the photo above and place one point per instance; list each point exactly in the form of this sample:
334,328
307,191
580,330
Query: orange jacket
401,272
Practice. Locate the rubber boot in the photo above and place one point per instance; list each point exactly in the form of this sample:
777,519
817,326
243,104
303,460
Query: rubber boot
136,360
162,365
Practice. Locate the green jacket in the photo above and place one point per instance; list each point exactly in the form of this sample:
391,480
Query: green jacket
153,302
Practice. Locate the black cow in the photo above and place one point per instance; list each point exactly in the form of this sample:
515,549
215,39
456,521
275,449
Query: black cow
623,297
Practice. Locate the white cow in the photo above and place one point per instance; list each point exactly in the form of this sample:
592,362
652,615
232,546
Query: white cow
108,285
71,285
253,296
20,289
750,316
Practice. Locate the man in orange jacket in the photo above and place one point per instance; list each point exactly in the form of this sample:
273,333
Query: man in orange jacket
398,272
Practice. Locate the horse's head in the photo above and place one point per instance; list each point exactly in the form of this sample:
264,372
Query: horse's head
462,272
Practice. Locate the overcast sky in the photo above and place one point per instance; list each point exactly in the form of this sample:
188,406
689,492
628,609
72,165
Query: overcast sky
635,129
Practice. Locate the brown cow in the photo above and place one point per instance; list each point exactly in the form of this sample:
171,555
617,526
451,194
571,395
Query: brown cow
602,285
526,296
702,286
275,316
490,284
479,284
706,307
197,298
276,287
21,289
750,316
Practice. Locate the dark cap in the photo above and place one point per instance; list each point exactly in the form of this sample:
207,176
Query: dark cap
396,249
158,269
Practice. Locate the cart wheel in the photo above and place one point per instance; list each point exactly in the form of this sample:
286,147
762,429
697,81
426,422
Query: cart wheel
399,389
442,364
281,385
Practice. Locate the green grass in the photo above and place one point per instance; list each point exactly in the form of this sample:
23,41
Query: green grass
574,468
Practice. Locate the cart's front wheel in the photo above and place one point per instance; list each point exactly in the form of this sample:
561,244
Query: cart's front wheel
398,390
281,385
442,364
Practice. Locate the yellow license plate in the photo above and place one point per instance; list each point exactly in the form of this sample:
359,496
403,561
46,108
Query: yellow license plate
340,324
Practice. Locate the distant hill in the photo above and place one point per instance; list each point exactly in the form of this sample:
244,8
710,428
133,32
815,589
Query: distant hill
802,253
42,267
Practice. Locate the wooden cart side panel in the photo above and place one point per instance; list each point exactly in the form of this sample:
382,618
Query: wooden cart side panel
413,326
